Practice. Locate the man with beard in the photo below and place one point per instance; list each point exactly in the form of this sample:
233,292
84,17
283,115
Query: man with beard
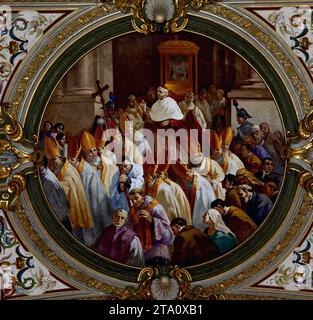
187,106
258,148
273,145
96,194
204,107
103,166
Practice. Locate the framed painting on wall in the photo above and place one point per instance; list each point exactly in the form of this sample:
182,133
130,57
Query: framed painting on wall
179,66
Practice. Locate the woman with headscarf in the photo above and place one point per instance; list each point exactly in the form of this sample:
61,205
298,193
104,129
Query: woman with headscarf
223,238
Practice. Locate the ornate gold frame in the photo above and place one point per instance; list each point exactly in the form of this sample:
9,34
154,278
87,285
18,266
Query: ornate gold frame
18,208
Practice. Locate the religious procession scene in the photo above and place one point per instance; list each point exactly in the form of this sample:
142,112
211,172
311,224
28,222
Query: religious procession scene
132,199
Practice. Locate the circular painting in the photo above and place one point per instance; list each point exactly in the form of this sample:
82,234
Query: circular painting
162,149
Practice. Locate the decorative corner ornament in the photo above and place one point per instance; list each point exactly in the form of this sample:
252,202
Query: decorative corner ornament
159,15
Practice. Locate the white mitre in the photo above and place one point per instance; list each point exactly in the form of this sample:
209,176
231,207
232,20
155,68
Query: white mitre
165,109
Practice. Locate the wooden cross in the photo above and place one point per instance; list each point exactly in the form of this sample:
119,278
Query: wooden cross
99,93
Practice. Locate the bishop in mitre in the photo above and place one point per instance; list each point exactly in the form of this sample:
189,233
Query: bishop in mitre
95,191
80,213
104,166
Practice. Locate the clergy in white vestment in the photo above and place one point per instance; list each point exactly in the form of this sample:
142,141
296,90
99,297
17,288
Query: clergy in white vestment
97,198
204,196
105,167
198,190
125,143
212,171
204,107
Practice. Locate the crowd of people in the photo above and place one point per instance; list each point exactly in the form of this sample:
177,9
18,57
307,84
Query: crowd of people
188,212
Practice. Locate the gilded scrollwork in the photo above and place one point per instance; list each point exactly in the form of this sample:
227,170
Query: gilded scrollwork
142,292
64,33
8,125
176,281
150,16
306,125
304,152
12,178
306,181
14,188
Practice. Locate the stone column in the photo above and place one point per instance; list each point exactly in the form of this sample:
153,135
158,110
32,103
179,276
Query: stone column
59,90
80,80
218,65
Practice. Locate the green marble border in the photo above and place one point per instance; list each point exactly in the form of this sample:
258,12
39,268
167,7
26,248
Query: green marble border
119,27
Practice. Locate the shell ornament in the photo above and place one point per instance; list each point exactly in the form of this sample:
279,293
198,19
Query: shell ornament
159,10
